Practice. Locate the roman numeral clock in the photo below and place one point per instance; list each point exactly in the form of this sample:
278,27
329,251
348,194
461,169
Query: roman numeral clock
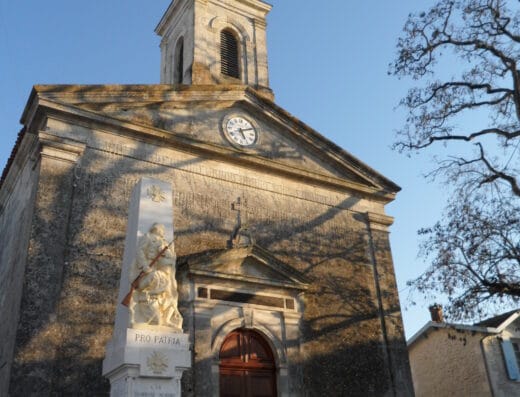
240,131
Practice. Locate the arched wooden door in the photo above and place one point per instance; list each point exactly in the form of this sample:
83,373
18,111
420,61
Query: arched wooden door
247,367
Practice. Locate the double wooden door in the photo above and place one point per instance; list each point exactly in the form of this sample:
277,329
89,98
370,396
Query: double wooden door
247,367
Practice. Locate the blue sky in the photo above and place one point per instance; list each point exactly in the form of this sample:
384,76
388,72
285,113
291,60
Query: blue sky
328,67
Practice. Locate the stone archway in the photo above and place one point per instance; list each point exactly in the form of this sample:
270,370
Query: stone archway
247,366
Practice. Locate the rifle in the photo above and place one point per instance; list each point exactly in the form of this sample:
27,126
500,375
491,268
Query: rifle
135,284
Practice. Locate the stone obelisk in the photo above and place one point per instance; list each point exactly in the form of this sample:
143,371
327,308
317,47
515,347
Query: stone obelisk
148,351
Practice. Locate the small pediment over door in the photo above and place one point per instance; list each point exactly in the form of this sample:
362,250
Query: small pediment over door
252,264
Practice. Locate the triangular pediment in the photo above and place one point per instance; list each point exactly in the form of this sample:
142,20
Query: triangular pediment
196,114
251,264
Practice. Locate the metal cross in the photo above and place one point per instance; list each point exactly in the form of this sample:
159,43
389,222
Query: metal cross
240,205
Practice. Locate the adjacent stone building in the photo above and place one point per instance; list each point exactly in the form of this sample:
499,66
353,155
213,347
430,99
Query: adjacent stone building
479,360
281,236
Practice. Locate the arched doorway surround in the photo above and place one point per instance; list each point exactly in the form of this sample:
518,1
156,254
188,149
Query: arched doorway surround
247,366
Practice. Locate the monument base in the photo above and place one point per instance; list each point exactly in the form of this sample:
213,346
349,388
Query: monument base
146,363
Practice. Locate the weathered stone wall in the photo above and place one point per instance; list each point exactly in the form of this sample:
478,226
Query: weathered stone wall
40,332
200,24
501,384
16,196
393,338
213,320
203,122
76,247
449,362
248,25
182,27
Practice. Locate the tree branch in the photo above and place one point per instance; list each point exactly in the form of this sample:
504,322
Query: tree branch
496,174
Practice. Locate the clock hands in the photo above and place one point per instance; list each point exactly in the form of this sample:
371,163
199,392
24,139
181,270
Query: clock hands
242,133
247,129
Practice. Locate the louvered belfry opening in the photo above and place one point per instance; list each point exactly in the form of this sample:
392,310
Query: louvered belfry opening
229,54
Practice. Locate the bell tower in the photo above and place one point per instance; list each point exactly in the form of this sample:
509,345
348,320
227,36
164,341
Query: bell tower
215,42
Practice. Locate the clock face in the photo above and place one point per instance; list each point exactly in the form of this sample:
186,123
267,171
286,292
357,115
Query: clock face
241,131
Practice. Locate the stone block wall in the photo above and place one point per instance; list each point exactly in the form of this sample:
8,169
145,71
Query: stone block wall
492,349
16,209
352,340
450,362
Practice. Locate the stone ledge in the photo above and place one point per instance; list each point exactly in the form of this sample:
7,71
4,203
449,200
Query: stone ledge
59,148
379,221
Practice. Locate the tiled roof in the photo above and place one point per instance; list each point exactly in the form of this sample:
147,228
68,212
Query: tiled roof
494,322
12,156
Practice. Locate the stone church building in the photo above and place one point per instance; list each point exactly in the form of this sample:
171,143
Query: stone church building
284,269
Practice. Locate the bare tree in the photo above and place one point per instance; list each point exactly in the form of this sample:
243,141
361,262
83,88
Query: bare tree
476,256
467,111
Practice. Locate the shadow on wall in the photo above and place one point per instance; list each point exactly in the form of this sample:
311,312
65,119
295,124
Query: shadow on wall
70,291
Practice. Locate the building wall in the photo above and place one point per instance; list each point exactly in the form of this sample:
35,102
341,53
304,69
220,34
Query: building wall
16,207
211,321
249,27
40,333
200,23
76,247
182,26
501,384
390,310
449,362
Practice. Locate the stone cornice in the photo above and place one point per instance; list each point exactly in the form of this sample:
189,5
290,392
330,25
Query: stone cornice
334,151
379,221
256,6
61,101
246,279
260,23
210,265
30,147
173,8
239,157
176,6
23,153
59,148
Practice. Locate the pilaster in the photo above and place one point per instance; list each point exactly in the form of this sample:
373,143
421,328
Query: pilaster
394,346
38,335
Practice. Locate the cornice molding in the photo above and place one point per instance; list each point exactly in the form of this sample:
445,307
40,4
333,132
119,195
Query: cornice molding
60,101
59,148
379,221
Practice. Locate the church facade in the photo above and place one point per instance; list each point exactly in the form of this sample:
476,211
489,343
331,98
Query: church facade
284,269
